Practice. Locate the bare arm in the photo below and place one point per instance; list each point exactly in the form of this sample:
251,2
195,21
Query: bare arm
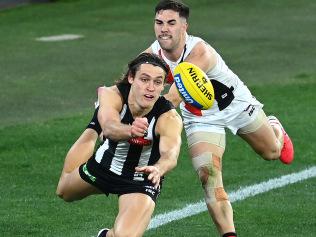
81,150
108,115
173,96
110,105
78,154
203,56
148,50
169,127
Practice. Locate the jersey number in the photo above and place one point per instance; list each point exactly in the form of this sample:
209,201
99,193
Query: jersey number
223,94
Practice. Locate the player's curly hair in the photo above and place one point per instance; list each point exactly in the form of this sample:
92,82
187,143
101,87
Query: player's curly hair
175,5
143,58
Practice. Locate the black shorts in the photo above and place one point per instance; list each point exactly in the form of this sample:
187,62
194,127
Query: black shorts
110,183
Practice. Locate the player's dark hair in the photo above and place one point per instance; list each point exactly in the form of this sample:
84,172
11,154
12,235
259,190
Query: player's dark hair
143,58
175,5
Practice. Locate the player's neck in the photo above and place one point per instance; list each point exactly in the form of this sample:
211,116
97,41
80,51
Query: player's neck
137,110
174,54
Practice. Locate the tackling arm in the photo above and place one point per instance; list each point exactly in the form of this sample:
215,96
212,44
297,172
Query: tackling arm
173,96
203,56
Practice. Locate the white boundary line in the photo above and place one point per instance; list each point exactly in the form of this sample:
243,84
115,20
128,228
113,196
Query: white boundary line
241,194
54,38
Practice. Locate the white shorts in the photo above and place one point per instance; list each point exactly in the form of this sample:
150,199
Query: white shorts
242,111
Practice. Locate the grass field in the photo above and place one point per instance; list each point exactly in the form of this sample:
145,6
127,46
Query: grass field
47,92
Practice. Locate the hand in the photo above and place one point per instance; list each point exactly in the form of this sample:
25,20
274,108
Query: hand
139,127
153,174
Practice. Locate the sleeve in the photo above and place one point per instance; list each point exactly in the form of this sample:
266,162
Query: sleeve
164,105
155,47
94,123
124,89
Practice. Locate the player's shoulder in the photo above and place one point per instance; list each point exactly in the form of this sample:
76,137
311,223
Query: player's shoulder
148,50
199,46
192,39
170,120
111,97
166,107
196,42
163,105
108,90
174,115
154,47
202,51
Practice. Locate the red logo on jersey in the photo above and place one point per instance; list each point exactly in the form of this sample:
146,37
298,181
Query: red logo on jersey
139,141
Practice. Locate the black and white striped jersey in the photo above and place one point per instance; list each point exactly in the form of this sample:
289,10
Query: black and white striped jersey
121,157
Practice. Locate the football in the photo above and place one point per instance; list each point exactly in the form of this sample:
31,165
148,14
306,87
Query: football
194,86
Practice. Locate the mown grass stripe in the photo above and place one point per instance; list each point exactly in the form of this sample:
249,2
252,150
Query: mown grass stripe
238,195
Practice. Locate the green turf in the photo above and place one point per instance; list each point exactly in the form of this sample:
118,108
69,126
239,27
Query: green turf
32,160
264,42
270,211
47,92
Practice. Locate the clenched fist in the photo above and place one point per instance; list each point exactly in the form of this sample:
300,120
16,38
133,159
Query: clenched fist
139,127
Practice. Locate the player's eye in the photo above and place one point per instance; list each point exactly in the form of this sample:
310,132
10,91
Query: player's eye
172,23
144,79
158,82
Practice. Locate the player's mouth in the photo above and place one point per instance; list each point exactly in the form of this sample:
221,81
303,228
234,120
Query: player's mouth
149,97
165,37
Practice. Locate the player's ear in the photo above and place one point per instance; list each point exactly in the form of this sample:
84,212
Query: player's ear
130,78
186,26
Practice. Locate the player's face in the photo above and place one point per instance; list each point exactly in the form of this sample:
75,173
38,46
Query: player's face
170,29
147,85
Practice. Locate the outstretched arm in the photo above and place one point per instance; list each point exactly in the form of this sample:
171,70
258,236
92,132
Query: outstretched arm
169,127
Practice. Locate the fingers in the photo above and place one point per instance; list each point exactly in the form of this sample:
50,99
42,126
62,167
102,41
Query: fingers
139,127
153,174
155,179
